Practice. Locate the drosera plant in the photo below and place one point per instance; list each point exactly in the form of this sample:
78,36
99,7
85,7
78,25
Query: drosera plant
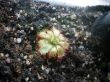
51,43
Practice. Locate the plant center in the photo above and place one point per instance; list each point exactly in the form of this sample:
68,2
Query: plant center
54,40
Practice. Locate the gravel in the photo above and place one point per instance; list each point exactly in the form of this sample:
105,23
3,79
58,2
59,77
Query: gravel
21,20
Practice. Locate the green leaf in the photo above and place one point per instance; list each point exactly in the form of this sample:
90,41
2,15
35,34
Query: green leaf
60,51
45,47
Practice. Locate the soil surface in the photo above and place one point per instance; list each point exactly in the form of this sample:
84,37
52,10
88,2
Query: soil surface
86,61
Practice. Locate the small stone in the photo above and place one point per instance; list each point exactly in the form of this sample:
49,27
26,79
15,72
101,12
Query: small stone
68,26
15,40
99,59
18,15
73,17
63,66
19,25
82,55
53,19
2,54
19,59
27,79
67,33
25,14
95,78
8,60
109,76
63,26
88,34
81,47
39,77
18,40
10,9
30,56
25,57
47,70
77,34
28,62
63,8
86,63
30,69
54,8
88,76
63,73
7,55
7,28
85,38
74,30
83,65
21,11
22,55
28,48
59,16
32,28
43,68
21,31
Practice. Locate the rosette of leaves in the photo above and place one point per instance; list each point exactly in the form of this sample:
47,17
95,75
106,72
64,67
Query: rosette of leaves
52,43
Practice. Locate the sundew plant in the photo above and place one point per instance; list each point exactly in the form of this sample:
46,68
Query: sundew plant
52,43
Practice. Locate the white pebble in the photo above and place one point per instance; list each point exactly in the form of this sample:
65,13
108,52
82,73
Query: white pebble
39,77
47,70
21,11
18,15
27,79
18,40
88,76
7,29
25,57
21,31
54,8
30,56
7,55
81,47
27,62
73,16
68,26
95,78
43,68
19,59
77,34
88,34
32,28
19,25
53,19
8,60
63,26
30,69
25,14
22,55
14,39
59,16
2,54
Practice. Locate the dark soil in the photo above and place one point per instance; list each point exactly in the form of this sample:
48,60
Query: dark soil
86,61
